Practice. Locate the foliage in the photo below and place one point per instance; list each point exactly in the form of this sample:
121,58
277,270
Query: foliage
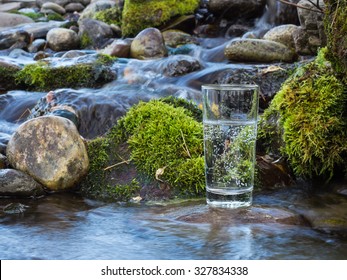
311,106
163,137
138,15
42,76
110,16
335,25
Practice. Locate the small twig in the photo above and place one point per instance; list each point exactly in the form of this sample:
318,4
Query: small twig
318,9
114,165
22,115
185,145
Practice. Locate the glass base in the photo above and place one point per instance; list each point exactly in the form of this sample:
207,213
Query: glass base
229,199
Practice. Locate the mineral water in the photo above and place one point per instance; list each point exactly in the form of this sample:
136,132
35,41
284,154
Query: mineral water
229,162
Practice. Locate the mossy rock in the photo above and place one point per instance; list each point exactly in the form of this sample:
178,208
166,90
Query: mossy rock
8,74
335,25
138,15
154,151
110,16
307,119
43,76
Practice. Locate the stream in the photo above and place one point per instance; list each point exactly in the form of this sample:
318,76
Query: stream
67,226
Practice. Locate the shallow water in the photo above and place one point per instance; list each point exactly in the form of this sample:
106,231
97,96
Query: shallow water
70,227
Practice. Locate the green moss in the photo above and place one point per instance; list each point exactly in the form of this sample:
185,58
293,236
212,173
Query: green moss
86,41
311,107
41,76
163,137
110,16
55,16
138,15
335,25
8,78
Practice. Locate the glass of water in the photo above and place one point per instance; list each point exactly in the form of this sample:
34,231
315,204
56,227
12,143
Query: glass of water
230,129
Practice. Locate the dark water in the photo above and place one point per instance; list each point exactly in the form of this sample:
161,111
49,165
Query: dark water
70,227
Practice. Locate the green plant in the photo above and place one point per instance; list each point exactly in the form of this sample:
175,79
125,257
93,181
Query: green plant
165,138
311,115
110,16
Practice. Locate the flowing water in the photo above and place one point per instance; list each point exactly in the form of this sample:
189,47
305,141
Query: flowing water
67,226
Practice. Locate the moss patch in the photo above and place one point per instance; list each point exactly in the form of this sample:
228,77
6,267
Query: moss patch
110,16
41,76
138,15
155,144
335,25
311,121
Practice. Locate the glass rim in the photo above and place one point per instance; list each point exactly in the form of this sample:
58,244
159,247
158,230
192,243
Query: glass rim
229,86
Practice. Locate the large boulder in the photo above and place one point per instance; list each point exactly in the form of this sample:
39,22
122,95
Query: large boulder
50,149
62,39
148,44
16,183
259,51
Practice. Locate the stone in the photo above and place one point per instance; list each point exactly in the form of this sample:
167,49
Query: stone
37,45
118,48
175,38
179,65
16,183
259,51
11,20
50,6
61,39
50,149
8,71
282,34
74,7
94,33
148,44
8,7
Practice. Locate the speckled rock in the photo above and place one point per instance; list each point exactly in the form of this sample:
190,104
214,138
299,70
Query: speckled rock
148,44
49,149
256,50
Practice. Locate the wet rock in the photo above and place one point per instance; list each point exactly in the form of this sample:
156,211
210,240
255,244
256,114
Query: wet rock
231,9
60,39
282,34
260,51
252,215
94,33
50,7
175,38
3,161
148,44
36,30
326,212
15,208
49,149
11,20
17,183
118,48
12,39
180,65
37,45
8,7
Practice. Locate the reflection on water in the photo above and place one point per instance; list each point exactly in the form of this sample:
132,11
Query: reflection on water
70,227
